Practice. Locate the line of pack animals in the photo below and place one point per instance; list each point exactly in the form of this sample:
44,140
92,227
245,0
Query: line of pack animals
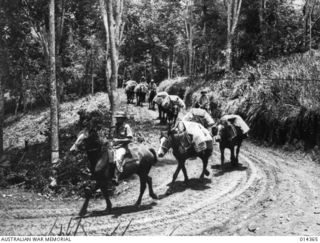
193,136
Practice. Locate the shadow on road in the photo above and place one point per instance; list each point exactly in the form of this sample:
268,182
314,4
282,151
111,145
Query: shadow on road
227,168
181,186
118,211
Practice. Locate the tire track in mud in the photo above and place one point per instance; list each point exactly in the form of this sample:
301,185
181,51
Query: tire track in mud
271,194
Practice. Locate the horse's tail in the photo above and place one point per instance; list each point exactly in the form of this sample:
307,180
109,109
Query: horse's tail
155,156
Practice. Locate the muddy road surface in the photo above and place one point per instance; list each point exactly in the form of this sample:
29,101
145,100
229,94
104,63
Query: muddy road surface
272,193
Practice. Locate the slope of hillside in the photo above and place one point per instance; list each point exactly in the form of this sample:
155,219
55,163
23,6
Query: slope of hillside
32,126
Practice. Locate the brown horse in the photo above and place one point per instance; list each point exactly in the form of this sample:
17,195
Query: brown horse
172,113
171,140
130,94
228,136
129,89
141,92
102,169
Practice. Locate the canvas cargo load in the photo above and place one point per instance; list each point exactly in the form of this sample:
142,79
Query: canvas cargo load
174,99
142,87
130,85
198,136
160,97
200,116
237,121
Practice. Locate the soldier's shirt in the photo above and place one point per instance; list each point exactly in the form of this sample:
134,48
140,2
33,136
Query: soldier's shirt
152,87
123,131
204,100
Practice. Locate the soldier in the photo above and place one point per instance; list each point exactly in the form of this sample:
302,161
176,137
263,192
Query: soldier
122,138
152,85
204,101
152,93
142,80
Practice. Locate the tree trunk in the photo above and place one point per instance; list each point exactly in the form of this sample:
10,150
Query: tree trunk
4,71
53,94
185,65
152,64
233,12
168,67
106,27
229,52
310,31
171,62
190,51
92,72
3,59
307,16
61,20
119,25
114,58
188,22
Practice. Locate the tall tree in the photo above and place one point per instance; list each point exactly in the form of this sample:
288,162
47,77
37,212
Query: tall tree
106,27
308,11
114,55
2,64
189,29
233,12
60,23
53,93
2,60
108,21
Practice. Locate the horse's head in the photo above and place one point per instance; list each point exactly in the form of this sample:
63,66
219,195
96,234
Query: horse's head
214,130
165,143
86,140
223,131
175,109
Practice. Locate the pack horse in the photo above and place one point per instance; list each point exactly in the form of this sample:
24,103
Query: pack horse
102,167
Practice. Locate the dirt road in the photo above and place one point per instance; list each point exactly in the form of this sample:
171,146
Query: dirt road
273,193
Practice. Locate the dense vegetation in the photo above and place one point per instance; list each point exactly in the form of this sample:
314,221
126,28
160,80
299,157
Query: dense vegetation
155,42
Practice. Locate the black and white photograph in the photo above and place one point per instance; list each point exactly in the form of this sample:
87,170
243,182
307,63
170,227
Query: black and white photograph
159,118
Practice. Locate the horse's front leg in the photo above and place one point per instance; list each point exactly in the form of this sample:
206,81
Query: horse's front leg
104,190
151,192
159,110
175,174
143,182
222,155
204,170
186,179
232,157
237,153
88,191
